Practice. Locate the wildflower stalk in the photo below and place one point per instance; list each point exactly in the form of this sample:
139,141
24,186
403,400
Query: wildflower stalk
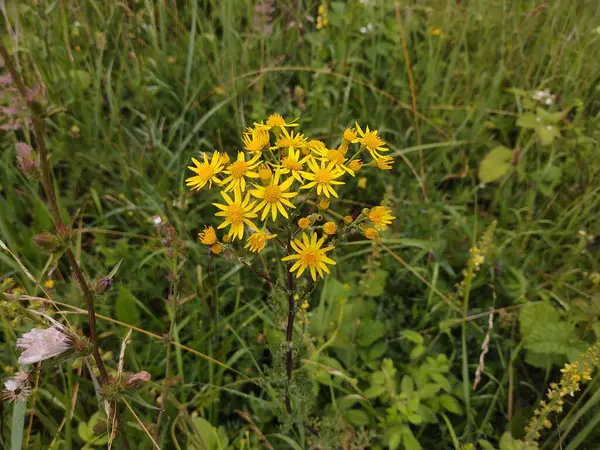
46,179
289,335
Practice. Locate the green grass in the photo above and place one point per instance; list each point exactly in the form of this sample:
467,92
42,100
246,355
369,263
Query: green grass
141,87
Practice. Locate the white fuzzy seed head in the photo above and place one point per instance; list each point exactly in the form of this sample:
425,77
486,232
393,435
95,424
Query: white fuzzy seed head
41,344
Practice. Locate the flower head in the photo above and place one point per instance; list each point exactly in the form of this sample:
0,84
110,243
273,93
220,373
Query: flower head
381,217
311,255
216,248
323,177
371,141
371,233
289,140
206,172
208,236
293,164
355,165
239,170
348,220
236,213
384,162
323,204
17,388
255,140
303,223
256,242
277,120
265,173
329,228
274,197
350,135
41,344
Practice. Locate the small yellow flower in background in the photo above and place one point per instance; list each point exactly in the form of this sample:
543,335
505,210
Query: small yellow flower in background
289,140
265,173
293,164
350,135
208,236
206,172
330,228
256,242
216,249
381,217
227,239
355,165
311,255
436,31
239,170
274,197
323,178
371,141
362,183
49,284
236,213
348,220
385,162
304,305
323,204
256,140
303,223
371,233
322,17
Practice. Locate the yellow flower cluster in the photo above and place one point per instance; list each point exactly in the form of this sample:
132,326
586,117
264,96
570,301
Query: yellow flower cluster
280,175
572,375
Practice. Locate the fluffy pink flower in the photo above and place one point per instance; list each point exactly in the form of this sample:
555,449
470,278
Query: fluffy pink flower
41,344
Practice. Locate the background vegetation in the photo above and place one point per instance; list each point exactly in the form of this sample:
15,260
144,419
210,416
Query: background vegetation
390,343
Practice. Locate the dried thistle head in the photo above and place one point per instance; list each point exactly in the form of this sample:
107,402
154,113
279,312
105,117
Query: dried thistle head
17,388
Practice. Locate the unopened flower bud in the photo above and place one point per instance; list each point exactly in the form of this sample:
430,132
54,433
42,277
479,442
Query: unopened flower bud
45,240
134,380
27,159
102,285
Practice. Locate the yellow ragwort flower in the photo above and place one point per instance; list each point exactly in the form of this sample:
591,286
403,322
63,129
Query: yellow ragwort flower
227,239
337,157
384,162
208,236
236,213
348,220
371,141
239,170
303,223
311,255
323,204
293,164
274,197
323,177
225,159
330,228
276,120
206,172
355,165
289,140
256,242
256,140
371,233
216,248
381,217
350,135
265,173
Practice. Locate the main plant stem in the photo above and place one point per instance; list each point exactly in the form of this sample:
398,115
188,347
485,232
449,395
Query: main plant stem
289,336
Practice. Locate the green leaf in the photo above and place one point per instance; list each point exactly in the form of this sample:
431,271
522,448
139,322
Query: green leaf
485,445
410,441
551,118
377,351
407,386
417,351
374,391
529,120
547,133
450,404
375,284
18,425
85,433
369,332
81,78
357,417
429,390
126,308
394,438
495,164
441,380
413,336
415,419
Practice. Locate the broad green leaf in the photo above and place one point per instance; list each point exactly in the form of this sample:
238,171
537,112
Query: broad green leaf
374,391
126,308
551,118
410,441
407,386
529,120
378,350
18,425
495,164
450,404
547,133
417,351
357,417
369,332
394,438
413,336
429,390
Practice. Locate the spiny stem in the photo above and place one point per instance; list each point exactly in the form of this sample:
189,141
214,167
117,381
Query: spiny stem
46,178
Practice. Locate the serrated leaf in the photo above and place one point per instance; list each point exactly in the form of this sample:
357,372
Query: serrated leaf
450,404
495,164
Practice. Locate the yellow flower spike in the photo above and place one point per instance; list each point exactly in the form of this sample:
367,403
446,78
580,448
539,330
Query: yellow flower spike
256,243
293,164
371,233
255,141
362,183
208,236
239,170
371,141
303,223
236,213
355,165
350,135
289,140
323,204
311,255
384,162
323,177
274,197
206,172
348,220
381,217
216,249
265,173
330,228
